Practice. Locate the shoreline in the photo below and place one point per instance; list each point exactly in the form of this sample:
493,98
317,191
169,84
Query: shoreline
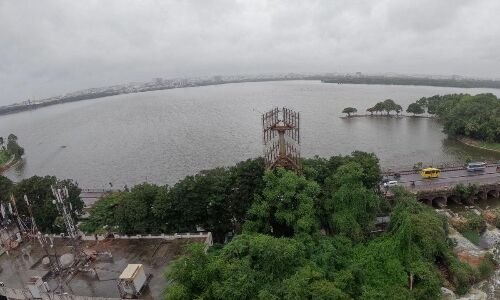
474,143
387,116
148,87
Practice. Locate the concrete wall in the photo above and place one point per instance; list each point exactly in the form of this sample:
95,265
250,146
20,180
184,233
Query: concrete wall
206,235
24,294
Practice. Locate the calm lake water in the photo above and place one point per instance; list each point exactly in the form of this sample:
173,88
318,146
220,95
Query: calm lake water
165,135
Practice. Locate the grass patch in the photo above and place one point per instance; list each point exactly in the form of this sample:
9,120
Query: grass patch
480,144
4,157
472,236
492,146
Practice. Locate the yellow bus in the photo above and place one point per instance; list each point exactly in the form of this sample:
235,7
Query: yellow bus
430,173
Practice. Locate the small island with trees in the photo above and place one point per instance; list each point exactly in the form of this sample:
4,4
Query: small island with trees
382,108
473,120
10,151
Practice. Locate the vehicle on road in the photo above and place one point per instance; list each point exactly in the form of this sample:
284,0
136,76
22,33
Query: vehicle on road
430,173
390,183
476,166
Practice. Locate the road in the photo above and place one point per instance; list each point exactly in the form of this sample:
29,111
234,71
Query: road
450,179
90,196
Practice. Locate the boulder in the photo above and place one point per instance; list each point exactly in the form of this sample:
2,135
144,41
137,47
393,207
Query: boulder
474,294
447,294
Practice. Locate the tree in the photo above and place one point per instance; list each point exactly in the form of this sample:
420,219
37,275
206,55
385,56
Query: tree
39,193
13,147
349,111
398,109
5,188
1,142
371,110
351,205
389,105
285,207
12,137
133,212
379,107
415,109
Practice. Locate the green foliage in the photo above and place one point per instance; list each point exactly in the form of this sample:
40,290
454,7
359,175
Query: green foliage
463,276
487,266
470,222
5,188
472,236
387,105
477,117
415,109
278,258
13,147
390,105
217,200
351,206
349,111
4,156
464,192
286,205
38,190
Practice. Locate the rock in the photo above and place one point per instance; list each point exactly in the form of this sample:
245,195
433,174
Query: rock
474,294
447,294
466,251
491,237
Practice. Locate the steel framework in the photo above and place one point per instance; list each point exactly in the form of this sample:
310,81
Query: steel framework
281,133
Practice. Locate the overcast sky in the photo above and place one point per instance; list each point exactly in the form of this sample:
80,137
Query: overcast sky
52,47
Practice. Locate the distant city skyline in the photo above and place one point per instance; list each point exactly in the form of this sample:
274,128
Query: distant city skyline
55,47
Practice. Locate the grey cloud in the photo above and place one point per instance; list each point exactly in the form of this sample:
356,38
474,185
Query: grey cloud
55,46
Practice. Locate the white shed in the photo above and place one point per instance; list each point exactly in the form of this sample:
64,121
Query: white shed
132,280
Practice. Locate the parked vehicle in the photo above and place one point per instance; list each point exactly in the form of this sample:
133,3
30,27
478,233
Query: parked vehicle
390,183
430,173
476,166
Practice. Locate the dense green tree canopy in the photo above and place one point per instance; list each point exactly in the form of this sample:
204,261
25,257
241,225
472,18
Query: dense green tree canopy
39,193
400,264
387,105
286,205
390,105
476,116
217,200
5,188
415,109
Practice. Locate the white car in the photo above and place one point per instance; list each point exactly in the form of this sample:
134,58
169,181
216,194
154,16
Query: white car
390,183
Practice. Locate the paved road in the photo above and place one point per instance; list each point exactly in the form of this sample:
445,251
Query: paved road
450,179
90,196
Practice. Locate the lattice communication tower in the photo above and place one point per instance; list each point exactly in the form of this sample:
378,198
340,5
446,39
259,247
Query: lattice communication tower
281,132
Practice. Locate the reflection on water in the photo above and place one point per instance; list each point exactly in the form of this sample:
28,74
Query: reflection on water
163,136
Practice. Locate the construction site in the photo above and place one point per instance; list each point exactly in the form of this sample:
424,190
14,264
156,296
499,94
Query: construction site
34,265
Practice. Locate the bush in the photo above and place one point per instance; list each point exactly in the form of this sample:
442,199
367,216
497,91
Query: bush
469,221
487,266
472,236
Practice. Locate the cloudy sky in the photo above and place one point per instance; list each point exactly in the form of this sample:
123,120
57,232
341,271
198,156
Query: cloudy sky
52,47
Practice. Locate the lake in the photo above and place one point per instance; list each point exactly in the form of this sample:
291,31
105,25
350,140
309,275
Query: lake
163,136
